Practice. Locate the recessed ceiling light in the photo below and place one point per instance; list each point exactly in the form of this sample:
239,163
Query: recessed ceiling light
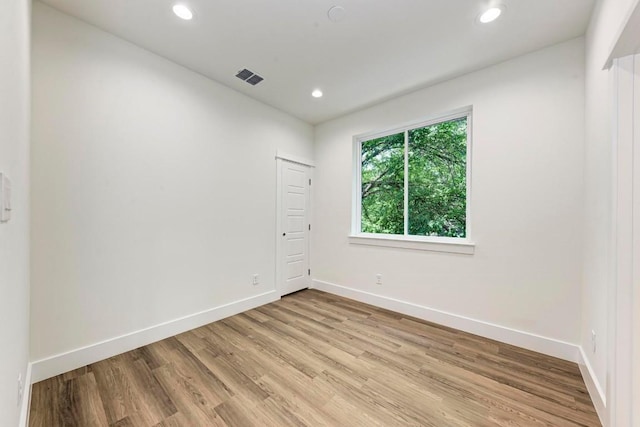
182,11
317,93
490,15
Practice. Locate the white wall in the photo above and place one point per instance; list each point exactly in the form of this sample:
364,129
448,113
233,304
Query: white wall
153,187
14,235
526,200
606,22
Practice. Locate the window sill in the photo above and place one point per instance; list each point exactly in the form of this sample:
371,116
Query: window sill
437,244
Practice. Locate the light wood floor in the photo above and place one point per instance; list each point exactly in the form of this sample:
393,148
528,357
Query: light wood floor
314,359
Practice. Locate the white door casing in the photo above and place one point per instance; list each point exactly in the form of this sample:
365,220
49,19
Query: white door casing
293,217
624,304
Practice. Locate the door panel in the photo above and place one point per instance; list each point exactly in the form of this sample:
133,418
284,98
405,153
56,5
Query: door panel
295,270
294,220
295,224
295,247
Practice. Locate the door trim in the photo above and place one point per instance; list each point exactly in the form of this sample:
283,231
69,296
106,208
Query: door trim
280,159
280,155
624,302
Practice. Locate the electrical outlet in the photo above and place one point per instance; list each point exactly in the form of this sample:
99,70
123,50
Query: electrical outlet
378,279
20,389
5,198
256,280
593,341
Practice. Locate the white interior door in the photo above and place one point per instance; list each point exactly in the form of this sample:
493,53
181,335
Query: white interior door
294,227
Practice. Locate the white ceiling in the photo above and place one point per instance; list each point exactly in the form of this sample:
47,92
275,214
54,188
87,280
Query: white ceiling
382,48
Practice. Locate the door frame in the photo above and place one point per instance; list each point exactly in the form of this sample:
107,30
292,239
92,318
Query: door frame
624,296
282,157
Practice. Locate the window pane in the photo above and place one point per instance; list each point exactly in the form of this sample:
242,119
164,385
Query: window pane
383,185
437,179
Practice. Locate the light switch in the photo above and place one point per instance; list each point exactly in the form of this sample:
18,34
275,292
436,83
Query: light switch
5,198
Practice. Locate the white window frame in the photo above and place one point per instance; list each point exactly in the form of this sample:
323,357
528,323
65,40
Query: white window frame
462,245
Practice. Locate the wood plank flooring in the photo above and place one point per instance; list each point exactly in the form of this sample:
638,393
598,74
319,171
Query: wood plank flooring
315,359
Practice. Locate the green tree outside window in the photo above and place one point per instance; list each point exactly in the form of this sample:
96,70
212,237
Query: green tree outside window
435,188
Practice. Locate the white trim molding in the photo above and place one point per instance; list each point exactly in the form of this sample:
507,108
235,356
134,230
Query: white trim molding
436,244
64,362
295,159
550,346
627,36
26,398
624,342
596,392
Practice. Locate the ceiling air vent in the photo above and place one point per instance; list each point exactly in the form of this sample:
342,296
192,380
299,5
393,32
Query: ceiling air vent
249,77
254,80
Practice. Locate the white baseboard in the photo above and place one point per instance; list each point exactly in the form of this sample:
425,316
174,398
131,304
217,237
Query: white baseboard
64,362
598,396
545,345
26,398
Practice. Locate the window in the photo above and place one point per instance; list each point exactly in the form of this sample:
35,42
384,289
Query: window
412,182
